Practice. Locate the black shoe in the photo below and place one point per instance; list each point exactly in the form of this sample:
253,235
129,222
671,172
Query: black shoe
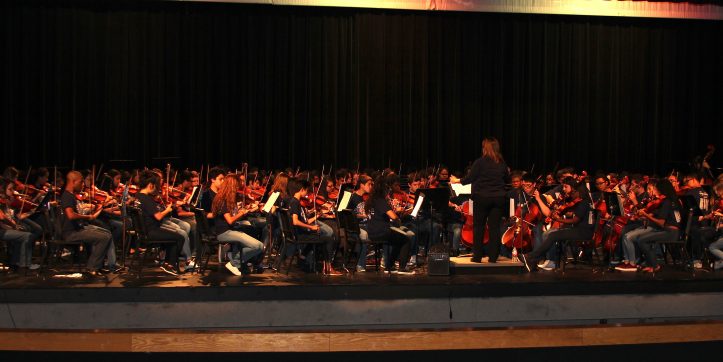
259,269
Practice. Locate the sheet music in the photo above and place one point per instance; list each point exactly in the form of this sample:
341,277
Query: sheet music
460,189
418,205
271,201
344,201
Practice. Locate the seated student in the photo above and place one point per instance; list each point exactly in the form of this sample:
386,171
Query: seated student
386,225
662,223
77,227
356,205
716,248
244,248
576,221
306,228
153,215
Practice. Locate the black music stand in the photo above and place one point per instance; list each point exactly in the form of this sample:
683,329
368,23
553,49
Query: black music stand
613,204
614,207
434,199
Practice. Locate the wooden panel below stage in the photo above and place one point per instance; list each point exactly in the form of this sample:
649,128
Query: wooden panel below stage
326,341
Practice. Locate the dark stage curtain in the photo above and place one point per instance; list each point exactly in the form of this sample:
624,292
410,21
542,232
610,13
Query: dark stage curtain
295,86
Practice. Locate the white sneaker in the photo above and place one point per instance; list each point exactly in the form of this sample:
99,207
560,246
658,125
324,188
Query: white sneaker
360,269
412,260
541,263
697,264
191,265
549,265
34,266
234,270
405,272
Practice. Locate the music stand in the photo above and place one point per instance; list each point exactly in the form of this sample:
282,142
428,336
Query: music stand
434,199
689,203
613,204
44,201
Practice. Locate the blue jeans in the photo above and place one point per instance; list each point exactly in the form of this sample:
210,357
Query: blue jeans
243,246
17,240
181,227
716,248
628,241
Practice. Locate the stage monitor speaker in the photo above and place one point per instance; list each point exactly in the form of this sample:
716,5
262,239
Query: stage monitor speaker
438,260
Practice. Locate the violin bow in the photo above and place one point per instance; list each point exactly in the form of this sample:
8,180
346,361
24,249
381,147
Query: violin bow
27,177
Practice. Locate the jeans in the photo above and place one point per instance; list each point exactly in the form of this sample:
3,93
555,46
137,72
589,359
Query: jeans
26,250
182,228
628,241
243,246
716,248
98,238
17,240
454,232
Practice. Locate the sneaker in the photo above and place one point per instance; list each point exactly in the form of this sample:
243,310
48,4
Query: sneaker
360,269
234,270
549,265
697,264
191,265
412,260
169,269
626,267
545,264
718,264
34,266
405,272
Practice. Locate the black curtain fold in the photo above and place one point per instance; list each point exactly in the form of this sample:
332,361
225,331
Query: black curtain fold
294,86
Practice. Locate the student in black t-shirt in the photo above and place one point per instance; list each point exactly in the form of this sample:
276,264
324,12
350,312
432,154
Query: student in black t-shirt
663,224
153,213
384,224
216,176
244,248
76,226
356,205
577,223
308,229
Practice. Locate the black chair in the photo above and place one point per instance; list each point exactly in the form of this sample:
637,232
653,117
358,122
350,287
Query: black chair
142,240
289,239
207,238
349,235
55,243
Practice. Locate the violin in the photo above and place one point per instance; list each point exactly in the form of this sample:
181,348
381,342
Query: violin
562,209
22,203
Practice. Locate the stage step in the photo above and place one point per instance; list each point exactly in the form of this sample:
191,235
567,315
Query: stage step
462,265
